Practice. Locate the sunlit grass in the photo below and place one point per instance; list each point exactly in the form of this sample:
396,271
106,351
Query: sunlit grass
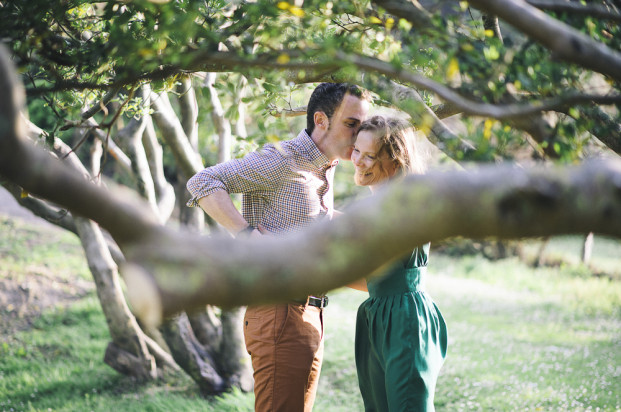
59,366
520,339
26,249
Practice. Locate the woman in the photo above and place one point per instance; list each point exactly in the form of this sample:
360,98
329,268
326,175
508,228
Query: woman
401,337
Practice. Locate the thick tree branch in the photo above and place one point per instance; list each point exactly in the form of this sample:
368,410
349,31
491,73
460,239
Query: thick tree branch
563,41
593,10
131,135
174,135
164,191
219,61
411,102
605,128
59,217
115,151
503,202
496,111
222,124
43,175
168,271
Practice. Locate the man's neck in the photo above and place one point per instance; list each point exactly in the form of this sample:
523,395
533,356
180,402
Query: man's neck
321,145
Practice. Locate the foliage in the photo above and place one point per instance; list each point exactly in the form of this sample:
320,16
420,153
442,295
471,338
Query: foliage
83,49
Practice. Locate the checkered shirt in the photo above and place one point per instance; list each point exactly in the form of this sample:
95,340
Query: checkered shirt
285,186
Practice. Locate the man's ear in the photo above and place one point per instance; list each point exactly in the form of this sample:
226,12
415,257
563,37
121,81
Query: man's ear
321,120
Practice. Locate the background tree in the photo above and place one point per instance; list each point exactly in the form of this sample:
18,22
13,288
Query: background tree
143,94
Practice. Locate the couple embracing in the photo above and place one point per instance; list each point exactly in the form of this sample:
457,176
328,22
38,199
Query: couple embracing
400,334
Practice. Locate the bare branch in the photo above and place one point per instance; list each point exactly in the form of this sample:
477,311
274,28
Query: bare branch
59,217
500,112
222,124
422,116
409,10
563,41
491,23
444,110
290,112
164,191
131,135
100,105
115,151
174,135
594,10
189,109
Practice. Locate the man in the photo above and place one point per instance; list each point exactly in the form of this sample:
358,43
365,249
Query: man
286,187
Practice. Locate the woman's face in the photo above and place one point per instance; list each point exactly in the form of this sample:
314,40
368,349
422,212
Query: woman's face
372,167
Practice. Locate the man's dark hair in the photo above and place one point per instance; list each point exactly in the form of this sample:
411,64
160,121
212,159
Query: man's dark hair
327,97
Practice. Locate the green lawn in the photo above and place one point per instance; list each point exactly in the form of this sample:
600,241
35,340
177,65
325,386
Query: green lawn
519,339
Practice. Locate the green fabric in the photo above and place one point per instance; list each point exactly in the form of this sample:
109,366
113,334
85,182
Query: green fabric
401,339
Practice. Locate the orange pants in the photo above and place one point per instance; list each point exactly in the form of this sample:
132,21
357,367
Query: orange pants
285,343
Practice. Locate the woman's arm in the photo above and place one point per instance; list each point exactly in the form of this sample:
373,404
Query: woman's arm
360,284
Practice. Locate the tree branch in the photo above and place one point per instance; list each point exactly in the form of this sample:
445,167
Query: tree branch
100,105
221,123
605,128
409,10
593,10
168,271
59,217
563,41
174,135
410,101
500,112
503,202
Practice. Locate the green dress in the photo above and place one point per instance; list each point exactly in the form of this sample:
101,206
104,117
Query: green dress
401,339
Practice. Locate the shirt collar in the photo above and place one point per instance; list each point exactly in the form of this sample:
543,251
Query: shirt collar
316,156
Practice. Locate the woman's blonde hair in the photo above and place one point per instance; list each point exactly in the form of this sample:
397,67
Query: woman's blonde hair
396,138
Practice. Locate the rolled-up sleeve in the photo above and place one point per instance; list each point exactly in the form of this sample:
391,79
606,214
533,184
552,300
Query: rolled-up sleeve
255,173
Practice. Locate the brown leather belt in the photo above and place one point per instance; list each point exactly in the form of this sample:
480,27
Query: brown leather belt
316,301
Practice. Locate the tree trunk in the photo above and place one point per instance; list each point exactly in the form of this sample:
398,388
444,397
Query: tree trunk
220,121
193,358
127,353
587,248
236,365
539,259
164,191
207,328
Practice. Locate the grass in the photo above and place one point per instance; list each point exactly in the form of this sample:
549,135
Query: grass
26,249
520,339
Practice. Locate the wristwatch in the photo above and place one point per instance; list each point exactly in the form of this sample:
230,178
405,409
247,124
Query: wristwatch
246,231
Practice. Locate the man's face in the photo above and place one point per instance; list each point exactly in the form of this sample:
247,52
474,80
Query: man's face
343,127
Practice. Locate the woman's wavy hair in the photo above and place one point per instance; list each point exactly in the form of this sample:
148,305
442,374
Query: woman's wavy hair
396,138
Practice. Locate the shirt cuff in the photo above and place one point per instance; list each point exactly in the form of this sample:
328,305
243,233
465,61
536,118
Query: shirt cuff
193,202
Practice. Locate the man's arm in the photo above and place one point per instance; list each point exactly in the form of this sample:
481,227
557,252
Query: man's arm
256,173
220,207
